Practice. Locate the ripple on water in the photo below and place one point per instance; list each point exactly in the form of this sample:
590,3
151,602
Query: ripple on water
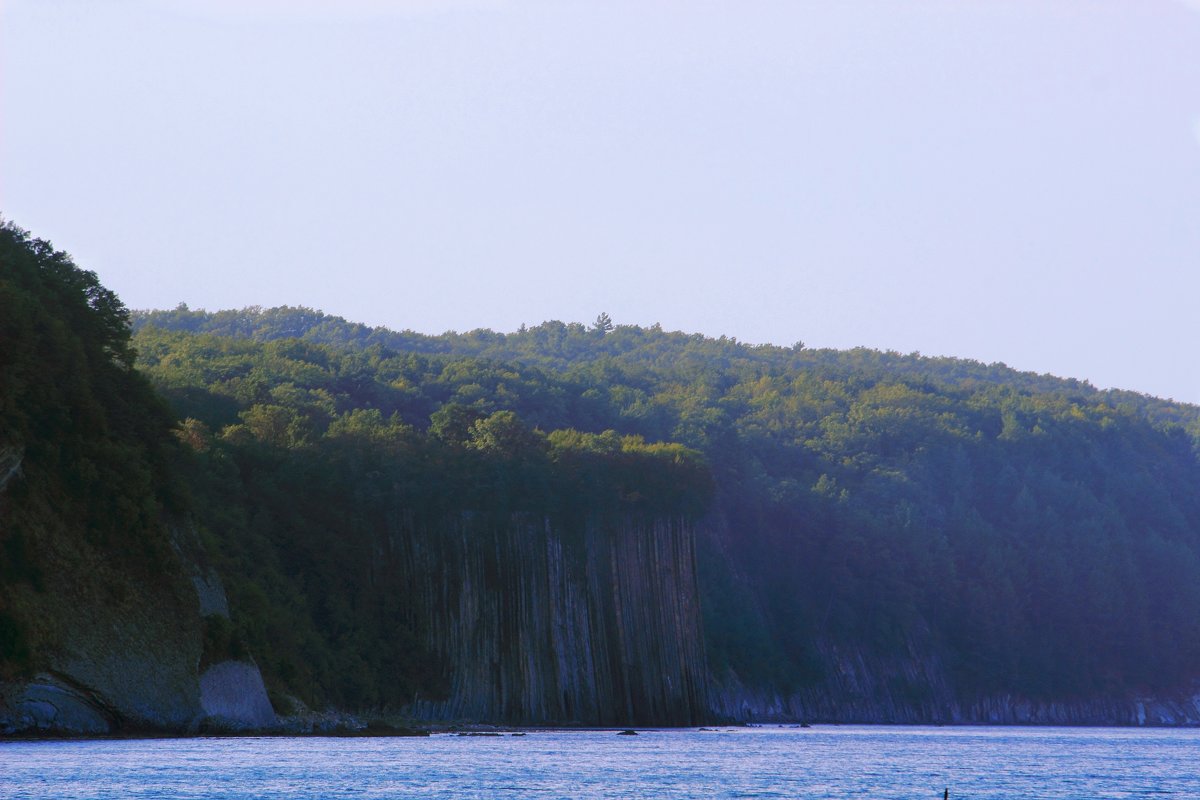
880,763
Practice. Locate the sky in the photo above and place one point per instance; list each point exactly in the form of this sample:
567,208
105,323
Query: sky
1002,180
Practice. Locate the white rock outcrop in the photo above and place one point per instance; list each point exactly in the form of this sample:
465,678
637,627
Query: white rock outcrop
233,697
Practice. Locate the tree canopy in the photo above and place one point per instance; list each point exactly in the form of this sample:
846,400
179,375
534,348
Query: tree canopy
1039,535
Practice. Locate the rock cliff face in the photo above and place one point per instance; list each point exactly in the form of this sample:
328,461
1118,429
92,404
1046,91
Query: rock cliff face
116,647
596,623
914,689
121,653
536,622
233,697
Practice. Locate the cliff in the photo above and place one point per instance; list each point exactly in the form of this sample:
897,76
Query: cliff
101,595
115,652
503,528
533,623
538,624
914,688
1045,533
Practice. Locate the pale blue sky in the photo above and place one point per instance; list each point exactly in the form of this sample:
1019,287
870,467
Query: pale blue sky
1004,180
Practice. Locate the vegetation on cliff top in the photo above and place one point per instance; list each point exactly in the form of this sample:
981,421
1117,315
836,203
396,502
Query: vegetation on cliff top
86,443
294,474
1039,536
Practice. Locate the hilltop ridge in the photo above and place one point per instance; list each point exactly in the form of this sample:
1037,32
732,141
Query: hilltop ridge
278,513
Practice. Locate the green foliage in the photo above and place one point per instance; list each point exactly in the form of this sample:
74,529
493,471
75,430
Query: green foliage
222,642
84,446
15,655
310,464
1041,536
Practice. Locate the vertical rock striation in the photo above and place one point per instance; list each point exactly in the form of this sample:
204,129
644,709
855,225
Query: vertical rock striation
914,688
539,621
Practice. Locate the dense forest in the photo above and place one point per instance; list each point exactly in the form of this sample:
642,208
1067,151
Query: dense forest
301,456
1041,536
87,484
1033,535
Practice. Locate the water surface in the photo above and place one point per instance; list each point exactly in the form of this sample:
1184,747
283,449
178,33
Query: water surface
881,763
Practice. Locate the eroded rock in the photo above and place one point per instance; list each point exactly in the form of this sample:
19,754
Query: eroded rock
233,697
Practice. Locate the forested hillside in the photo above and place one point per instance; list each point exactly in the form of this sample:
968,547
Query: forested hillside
595,524
83,437
305,475
1029,535
94,600
476,567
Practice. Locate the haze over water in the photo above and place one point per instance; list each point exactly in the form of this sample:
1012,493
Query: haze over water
881,763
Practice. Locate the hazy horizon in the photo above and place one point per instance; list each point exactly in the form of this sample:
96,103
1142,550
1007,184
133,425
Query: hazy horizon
1013,182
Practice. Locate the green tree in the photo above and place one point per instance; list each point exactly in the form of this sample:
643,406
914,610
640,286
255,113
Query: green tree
603,323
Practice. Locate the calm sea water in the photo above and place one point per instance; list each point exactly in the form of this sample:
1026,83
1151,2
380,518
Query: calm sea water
881,763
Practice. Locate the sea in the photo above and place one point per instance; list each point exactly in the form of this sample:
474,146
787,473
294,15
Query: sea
876,762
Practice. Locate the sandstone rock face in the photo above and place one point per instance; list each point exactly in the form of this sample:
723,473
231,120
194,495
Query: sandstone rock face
233,697
105,680
48,704
593,623
121,652
232,694
913,688
598,624
145,672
